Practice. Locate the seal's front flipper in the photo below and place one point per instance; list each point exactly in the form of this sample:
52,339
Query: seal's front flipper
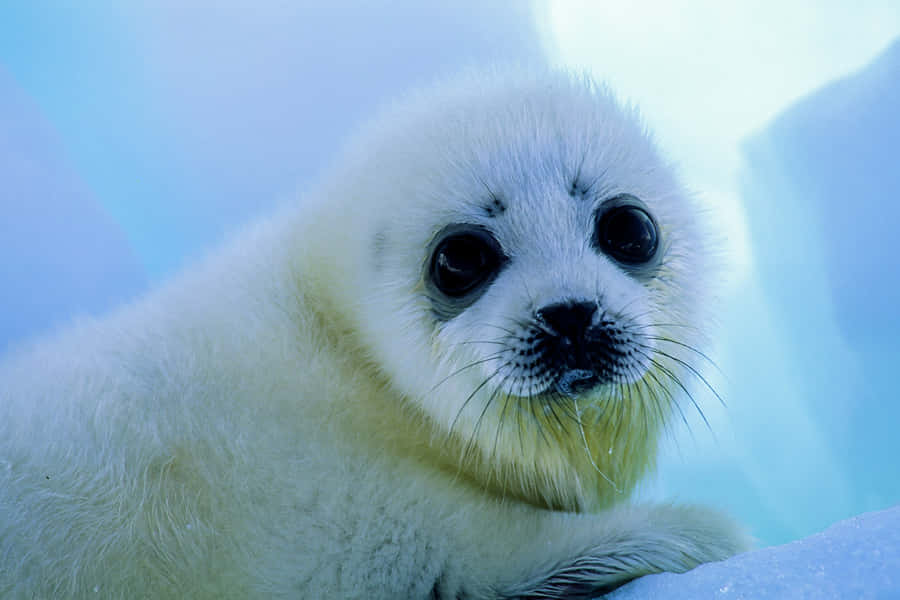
632,542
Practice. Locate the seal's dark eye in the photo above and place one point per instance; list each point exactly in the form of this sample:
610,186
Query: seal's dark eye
463,261
626,231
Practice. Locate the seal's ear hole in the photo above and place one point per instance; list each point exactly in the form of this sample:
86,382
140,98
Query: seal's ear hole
626,231
464,260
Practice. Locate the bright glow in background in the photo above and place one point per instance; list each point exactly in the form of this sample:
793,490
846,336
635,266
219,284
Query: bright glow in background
133,137
706,73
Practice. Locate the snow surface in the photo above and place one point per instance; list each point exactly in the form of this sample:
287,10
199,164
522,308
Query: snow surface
855,559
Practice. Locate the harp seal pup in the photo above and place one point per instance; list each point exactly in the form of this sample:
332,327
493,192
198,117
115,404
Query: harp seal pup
438,377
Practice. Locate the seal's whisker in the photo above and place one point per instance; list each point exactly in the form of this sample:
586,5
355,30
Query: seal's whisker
500,419
690,396
696,351
535,403
549,409
691,368
590,455
472,395
470,445
666,326
464,368
495,326
671,375
656,392
567,407
670,402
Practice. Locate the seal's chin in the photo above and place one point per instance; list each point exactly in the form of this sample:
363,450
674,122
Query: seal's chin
576,382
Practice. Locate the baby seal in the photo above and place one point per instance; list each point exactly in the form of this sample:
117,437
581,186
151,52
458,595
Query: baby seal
438,377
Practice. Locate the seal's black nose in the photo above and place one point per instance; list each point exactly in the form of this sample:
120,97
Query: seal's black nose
569,346
569,320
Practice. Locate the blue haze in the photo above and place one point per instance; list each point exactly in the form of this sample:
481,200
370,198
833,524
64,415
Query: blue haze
63,254
185,119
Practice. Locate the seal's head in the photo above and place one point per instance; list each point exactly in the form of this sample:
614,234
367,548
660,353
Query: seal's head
526,271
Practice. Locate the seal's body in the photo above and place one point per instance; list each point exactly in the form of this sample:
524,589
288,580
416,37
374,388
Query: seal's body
438,377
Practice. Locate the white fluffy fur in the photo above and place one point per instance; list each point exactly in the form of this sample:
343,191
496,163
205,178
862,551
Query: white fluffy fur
276,422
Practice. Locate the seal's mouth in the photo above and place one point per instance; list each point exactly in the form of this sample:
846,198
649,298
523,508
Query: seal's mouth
579,348
568,350
576,382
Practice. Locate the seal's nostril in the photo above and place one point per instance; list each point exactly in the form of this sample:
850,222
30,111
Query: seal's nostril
568,319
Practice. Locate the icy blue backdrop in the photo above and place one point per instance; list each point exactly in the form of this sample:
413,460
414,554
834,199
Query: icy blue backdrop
811,350
133,138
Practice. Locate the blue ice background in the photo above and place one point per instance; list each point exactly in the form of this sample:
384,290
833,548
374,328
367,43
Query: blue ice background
810,356
134,137
821,190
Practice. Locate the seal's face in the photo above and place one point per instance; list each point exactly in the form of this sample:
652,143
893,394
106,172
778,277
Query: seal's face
531,276
571,335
